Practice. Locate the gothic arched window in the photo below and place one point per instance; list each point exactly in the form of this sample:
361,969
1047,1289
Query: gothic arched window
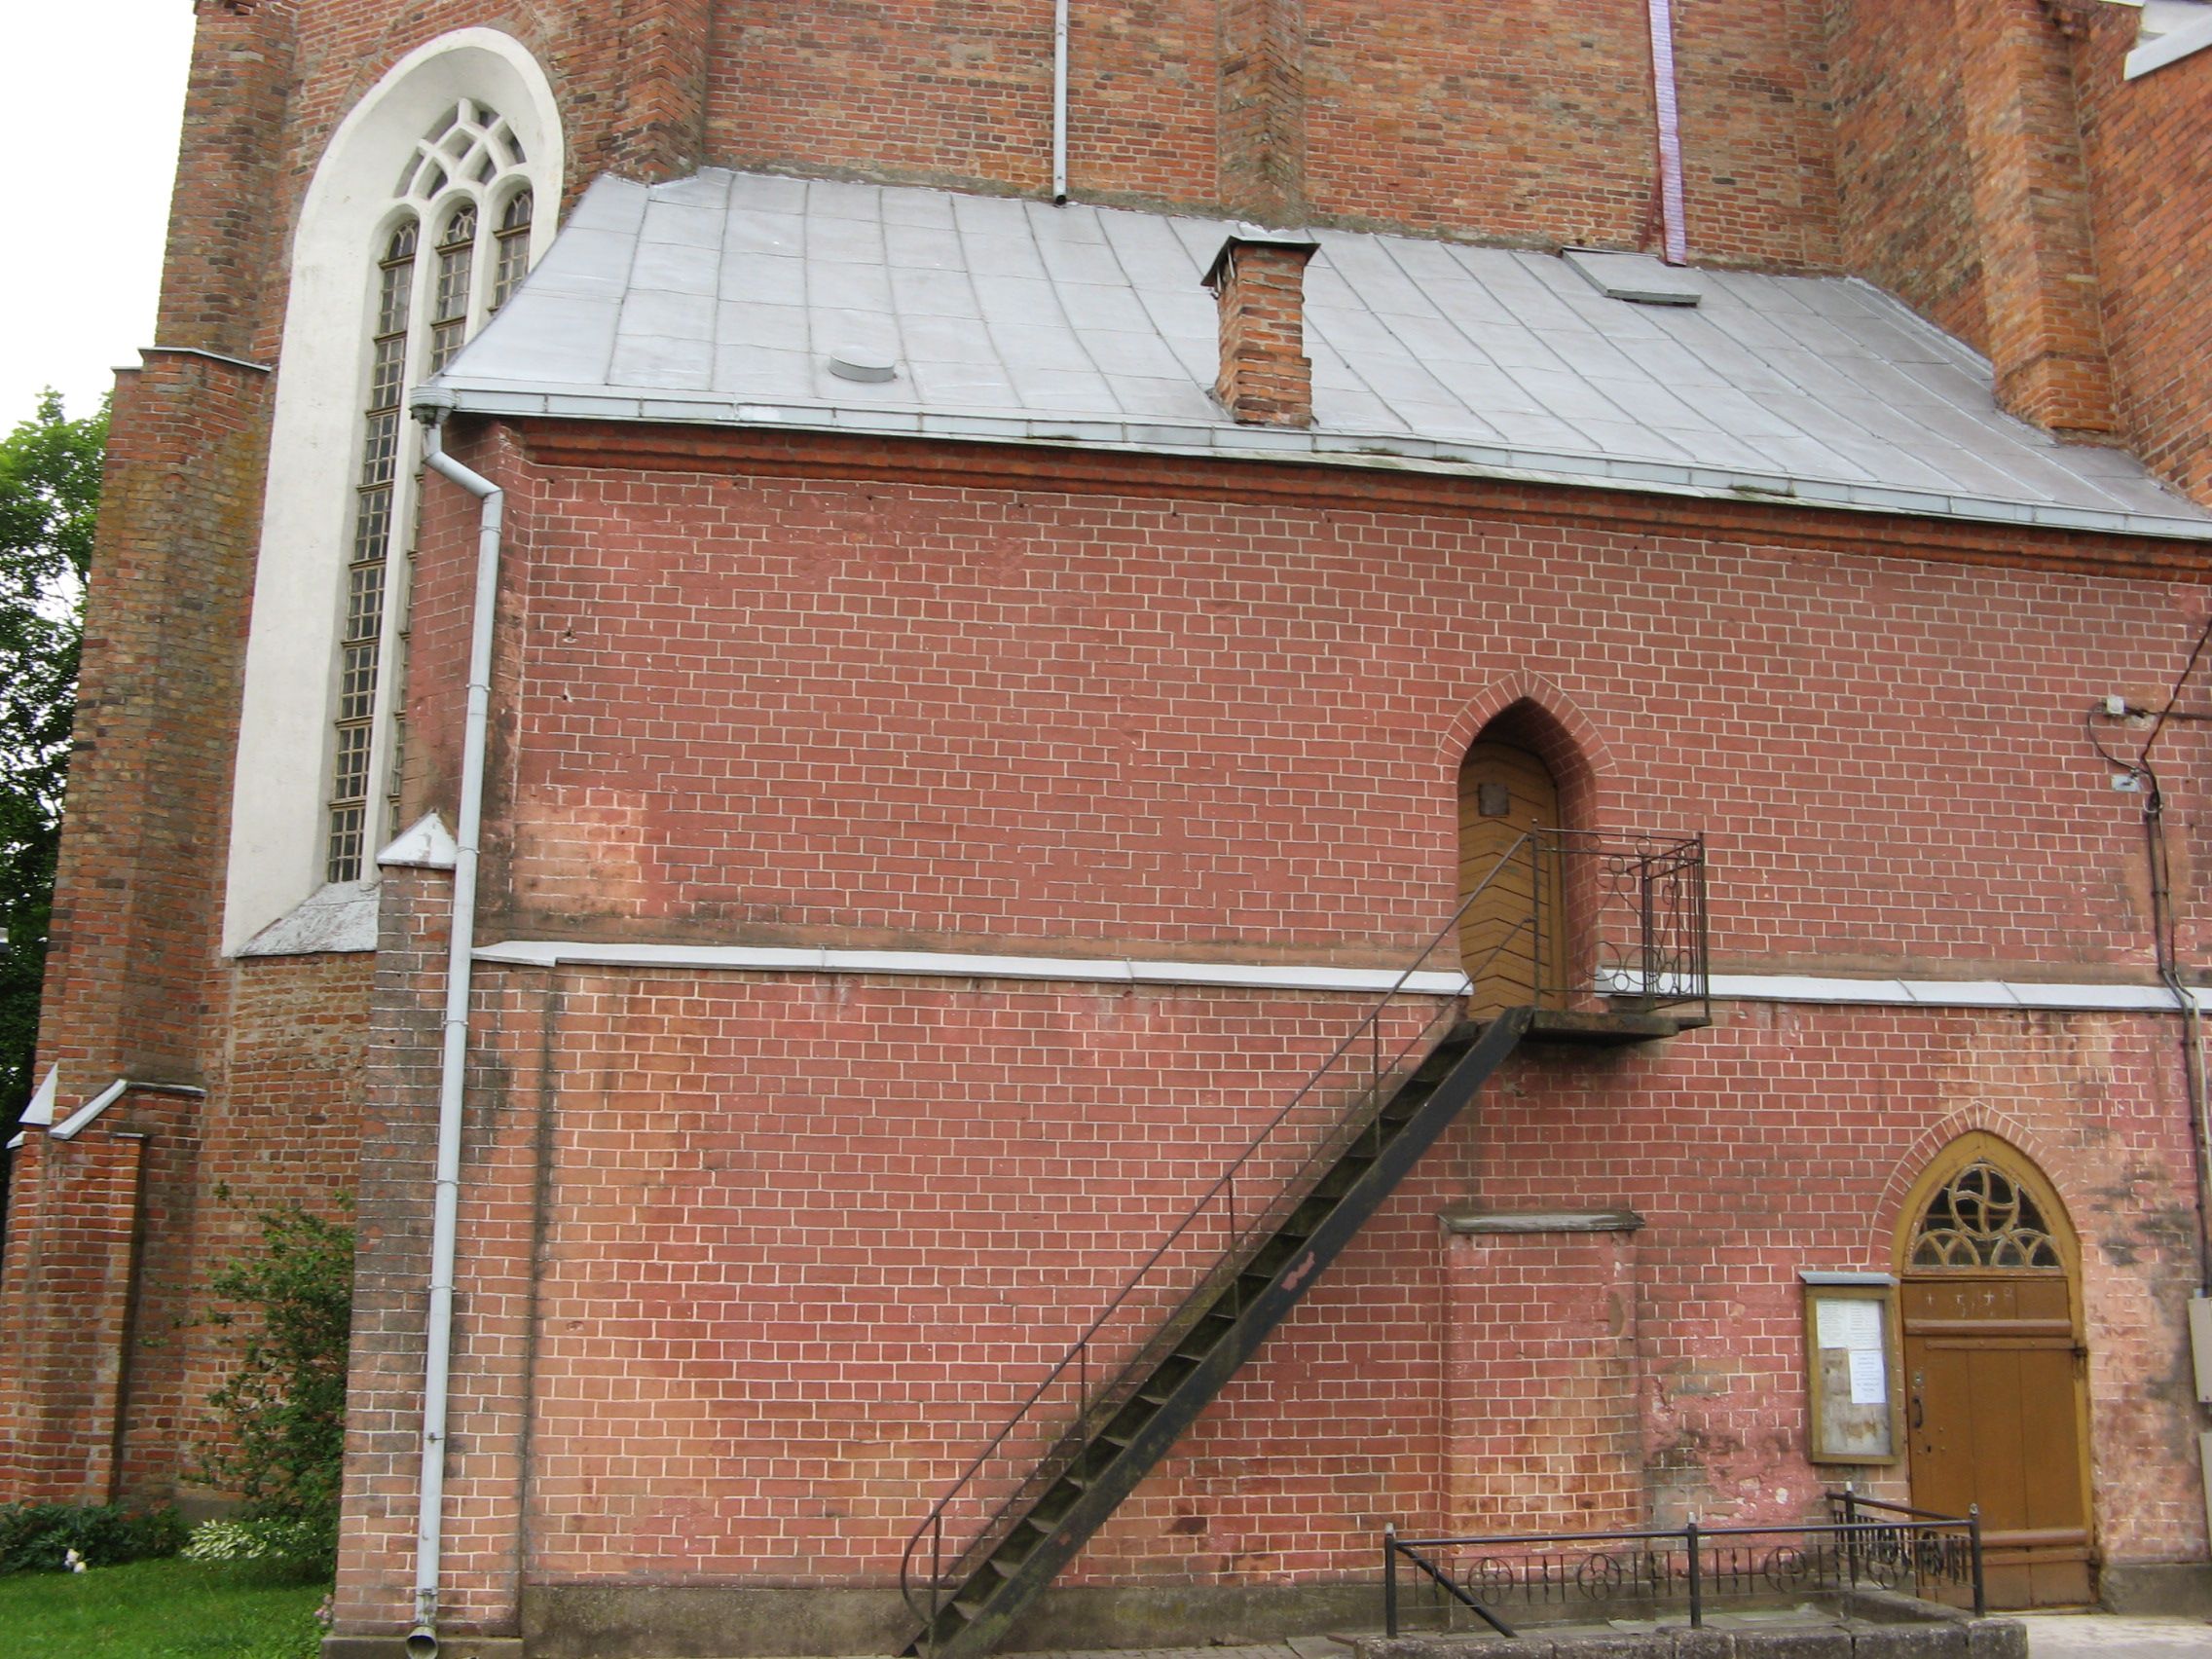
462,172
1982,1217
512,255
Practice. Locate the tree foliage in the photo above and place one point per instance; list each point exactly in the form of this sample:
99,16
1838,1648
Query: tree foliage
282,1413
50,493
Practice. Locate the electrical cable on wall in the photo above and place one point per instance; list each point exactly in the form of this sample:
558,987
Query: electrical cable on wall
2165,933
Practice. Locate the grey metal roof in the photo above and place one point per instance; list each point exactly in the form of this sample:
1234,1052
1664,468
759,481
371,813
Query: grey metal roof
724,297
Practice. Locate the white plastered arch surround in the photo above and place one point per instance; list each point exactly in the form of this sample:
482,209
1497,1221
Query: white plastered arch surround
277,820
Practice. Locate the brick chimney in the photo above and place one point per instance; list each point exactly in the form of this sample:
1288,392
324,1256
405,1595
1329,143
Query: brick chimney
1259,277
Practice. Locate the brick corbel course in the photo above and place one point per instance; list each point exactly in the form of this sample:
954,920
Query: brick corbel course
1259,279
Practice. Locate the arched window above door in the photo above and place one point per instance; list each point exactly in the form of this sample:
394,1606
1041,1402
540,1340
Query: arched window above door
1982,1218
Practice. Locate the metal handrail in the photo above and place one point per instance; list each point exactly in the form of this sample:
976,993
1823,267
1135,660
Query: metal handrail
1650,887
1078,1353
1667,965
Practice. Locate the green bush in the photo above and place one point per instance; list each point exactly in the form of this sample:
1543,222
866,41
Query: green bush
282,1412
37,1537
302,1544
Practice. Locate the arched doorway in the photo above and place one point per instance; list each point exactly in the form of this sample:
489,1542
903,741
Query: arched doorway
1511,939
1995,1408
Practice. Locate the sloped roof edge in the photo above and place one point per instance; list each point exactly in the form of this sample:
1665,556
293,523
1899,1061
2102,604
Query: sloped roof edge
723,299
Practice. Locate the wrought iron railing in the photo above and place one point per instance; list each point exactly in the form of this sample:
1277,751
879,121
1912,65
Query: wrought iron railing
1632,913
1620,921
1661,1572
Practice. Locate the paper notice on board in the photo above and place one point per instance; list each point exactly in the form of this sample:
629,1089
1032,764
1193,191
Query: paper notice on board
1869,1378
1854,1324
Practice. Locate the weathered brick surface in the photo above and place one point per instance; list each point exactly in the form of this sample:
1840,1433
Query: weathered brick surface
750,1264
2151,182
1265,378
223,263
1536,124
1263,109
757,709
1903,173
132,982
918,92
763,1259
1999,172
282,1128
799,1243
1542,1419
2032,211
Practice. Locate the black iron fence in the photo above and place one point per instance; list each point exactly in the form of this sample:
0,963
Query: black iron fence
1666,1572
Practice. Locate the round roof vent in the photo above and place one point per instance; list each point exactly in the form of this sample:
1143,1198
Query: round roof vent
862,363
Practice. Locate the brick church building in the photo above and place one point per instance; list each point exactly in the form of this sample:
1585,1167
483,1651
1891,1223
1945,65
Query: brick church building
1046,802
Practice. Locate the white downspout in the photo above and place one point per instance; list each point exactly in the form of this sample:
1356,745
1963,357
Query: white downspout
1060,101
1667,104
431,409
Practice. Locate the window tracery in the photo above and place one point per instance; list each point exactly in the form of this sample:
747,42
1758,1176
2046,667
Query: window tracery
425,310
1981,1218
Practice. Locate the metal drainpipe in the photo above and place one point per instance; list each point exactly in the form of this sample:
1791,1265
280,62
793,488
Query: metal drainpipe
1667,104
431,409
1059,103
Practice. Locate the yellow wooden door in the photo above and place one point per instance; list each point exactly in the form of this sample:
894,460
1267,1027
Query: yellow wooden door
1991,1421
1511,937
1994,1402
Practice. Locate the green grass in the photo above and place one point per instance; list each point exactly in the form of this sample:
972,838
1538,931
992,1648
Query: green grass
160,1610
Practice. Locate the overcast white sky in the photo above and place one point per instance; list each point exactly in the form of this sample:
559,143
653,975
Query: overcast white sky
89,99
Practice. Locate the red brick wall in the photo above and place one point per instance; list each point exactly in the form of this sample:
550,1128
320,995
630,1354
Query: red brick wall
131,976
1903,175
72,1226
785,1249
222,258
757,1261
2032,208
284,1128
962,717
1535,123
1543,1421
962,94
1263,109
2151,190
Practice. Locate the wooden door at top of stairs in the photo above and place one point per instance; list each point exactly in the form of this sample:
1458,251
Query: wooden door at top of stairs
1994,1403
1509,940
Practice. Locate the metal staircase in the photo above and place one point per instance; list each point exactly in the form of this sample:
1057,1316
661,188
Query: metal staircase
1165,1347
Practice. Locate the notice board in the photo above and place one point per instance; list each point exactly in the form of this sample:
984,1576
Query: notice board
1851,1368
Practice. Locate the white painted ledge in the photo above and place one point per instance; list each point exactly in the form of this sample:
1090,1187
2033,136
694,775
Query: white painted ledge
338,918
2016,994
773,959
426,845
1271,976
81,1119
39,1114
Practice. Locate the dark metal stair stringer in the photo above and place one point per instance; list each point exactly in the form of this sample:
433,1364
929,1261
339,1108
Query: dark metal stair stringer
1224,1324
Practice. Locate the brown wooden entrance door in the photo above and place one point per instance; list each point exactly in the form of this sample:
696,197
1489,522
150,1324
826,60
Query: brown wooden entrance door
1993,1396
1509,940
